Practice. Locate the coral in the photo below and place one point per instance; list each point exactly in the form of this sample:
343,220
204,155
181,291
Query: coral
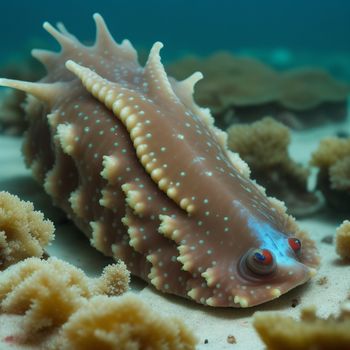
143,172
23,231
64,309
329,151
48,292
244,89
113,281
342,240
333,162
264,146
247,140
122,323
339,174
311,332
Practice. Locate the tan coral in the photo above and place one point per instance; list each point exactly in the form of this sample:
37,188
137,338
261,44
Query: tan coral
245,89
48,292
61,309
329,151
311,332
247,140
333,160
113,281
264,146
342,240
120,324
23,231
339,174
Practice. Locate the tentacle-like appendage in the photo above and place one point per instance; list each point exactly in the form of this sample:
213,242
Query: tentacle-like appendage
159,84
46,57
62,28
46,92
66,42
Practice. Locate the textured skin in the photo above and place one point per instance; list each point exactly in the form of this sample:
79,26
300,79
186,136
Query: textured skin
142,171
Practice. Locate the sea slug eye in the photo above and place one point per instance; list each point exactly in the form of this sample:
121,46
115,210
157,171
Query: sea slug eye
295,244
261,261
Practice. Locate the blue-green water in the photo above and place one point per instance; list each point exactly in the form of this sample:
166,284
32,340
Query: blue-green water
200,26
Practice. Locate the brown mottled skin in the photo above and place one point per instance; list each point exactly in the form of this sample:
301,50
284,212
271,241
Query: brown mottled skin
142,171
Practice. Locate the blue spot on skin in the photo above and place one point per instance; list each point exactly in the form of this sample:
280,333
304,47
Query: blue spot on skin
269,238
273,240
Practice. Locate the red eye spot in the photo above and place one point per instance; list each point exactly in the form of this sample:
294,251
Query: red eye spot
263,256
260,261
295,244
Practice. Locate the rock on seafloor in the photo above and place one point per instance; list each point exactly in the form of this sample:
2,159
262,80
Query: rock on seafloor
243,89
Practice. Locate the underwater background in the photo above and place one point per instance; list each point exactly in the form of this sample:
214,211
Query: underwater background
276,79
282,32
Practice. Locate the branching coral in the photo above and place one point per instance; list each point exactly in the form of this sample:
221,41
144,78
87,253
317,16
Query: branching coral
329,151
311,332
123,323
54,296
333,160
244,89
23,231
264,146
48,292
342,240
113,281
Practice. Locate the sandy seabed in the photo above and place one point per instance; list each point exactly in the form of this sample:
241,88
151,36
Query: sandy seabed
327,290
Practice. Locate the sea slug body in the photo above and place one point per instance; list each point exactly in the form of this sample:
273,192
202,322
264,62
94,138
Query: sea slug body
142,170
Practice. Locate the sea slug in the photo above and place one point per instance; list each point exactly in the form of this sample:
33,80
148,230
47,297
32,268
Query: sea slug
141,169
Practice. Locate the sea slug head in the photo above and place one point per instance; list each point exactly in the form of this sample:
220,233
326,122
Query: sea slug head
272,267
270,259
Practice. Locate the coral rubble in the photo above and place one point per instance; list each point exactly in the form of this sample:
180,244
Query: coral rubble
264,146
332,158
311,332
23,231
244,89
